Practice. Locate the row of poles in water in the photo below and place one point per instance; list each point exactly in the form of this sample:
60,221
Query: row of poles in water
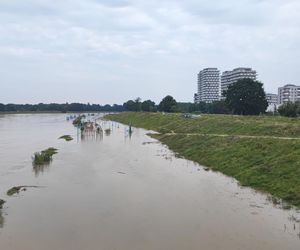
95,129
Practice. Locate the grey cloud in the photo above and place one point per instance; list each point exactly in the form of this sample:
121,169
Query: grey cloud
142,48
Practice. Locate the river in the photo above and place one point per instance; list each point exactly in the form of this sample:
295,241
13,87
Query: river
115,192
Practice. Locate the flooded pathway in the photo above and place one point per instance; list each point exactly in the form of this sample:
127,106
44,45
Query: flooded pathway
113,192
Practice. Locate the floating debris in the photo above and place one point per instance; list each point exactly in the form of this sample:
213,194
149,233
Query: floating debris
121,173
206,169
286,206
66,137
295,219
255,206
150,142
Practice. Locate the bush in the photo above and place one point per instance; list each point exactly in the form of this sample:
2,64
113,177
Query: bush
168,104
290,109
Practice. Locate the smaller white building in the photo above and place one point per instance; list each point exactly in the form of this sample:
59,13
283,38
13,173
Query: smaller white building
288,93
232,76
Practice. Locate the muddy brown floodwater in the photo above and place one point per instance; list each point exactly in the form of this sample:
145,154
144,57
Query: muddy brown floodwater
112,192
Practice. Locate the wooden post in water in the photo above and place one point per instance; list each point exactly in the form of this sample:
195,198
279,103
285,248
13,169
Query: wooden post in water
130,129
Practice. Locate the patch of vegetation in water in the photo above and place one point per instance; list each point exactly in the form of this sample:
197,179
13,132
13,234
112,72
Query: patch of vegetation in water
17,189
1,203
13,190
107,131
77,121
1,220
66,137
44,157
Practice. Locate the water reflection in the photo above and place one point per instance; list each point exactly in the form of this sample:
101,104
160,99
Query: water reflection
1,219
91,135
295,224
39,169
128,132
107,131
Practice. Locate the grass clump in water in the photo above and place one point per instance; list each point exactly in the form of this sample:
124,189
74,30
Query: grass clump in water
17,189
1,203
107,131
13,190
77,121
44,157
66,137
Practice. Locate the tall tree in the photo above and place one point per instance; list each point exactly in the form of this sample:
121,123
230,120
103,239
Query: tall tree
168,104
138,104
130,105
148,106
246,97
2,107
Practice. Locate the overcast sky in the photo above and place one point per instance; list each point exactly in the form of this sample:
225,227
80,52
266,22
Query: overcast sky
114,50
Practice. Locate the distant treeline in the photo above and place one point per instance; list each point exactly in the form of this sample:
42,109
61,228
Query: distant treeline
169,104
55,107
136,105
244,97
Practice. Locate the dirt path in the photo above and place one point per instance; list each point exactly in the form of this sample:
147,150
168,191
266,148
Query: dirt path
238,136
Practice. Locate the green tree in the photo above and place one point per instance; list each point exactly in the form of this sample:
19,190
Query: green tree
246,97
129,105
185,107
168,104
218,107
148,106
133,105
2,107
138,104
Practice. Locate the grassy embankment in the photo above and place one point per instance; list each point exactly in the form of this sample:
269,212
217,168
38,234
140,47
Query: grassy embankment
260,152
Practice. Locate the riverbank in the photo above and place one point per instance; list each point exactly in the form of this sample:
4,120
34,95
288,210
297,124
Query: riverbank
49,112
260,152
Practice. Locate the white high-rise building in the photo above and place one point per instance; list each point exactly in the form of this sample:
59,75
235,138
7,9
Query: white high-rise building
208,85
288,93
229,77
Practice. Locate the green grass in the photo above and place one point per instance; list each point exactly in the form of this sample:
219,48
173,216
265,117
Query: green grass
267,164
213,124
66,137
44,157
